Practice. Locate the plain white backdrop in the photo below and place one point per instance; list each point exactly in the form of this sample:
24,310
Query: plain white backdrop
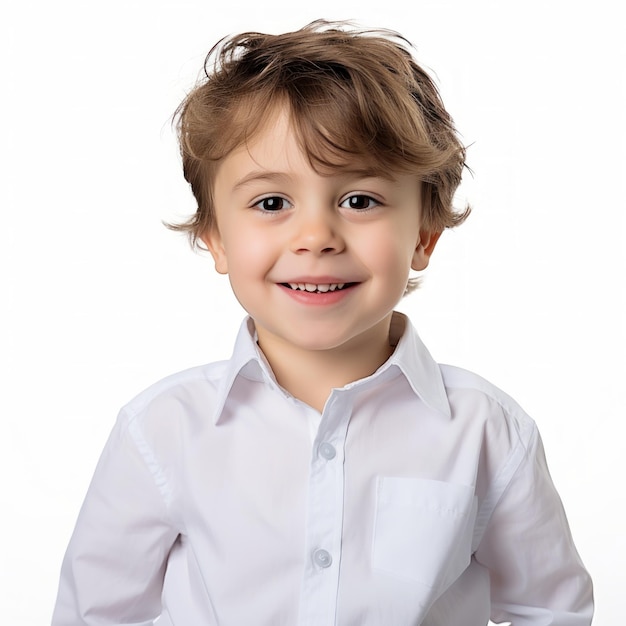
99,300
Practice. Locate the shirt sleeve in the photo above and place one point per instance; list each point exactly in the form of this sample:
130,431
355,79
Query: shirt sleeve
114,566
537,577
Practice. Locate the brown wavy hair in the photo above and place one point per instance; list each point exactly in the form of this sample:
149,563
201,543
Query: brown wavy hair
353,95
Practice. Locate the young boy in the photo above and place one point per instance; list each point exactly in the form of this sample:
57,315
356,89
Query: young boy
330,472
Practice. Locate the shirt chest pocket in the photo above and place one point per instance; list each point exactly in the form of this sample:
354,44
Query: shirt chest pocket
423,530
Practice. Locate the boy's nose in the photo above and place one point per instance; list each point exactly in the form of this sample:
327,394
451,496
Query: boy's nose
317,232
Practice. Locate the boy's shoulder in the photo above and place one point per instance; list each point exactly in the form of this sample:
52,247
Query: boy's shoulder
200,391
458,378
473,395
199,382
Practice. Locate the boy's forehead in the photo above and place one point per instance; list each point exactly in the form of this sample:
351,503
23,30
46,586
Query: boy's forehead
276,139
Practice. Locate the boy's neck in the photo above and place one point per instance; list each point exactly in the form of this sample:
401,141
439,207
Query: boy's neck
311,375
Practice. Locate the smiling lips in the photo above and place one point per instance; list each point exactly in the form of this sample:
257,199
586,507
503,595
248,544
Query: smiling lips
314,293
317,287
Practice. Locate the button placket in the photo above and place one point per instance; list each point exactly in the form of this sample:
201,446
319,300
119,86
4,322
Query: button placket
325,514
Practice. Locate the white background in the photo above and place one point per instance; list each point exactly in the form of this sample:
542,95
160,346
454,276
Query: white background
99,300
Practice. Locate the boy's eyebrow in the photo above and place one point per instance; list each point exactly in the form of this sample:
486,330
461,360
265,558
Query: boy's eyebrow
359,172
261,175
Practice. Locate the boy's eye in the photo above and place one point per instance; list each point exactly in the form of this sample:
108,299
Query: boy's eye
359,201
273,203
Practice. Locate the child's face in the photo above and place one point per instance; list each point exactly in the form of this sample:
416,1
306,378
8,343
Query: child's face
318,261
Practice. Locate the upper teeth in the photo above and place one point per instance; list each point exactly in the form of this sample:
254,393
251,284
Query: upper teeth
313,287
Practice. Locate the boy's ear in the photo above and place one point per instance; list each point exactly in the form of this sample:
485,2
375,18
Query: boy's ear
213,241
425,246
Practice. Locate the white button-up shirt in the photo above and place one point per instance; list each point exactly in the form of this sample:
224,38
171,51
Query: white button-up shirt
420,496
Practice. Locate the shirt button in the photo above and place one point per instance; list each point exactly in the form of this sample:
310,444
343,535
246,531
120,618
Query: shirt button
327,451
323,558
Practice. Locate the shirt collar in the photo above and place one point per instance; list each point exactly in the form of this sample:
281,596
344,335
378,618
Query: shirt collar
246,361
410,357
413,359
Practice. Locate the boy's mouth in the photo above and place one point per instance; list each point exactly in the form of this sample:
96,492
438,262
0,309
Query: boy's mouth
317,288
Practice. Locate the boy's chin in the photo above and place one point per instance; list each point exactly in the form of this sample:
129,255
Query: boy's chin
319,336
